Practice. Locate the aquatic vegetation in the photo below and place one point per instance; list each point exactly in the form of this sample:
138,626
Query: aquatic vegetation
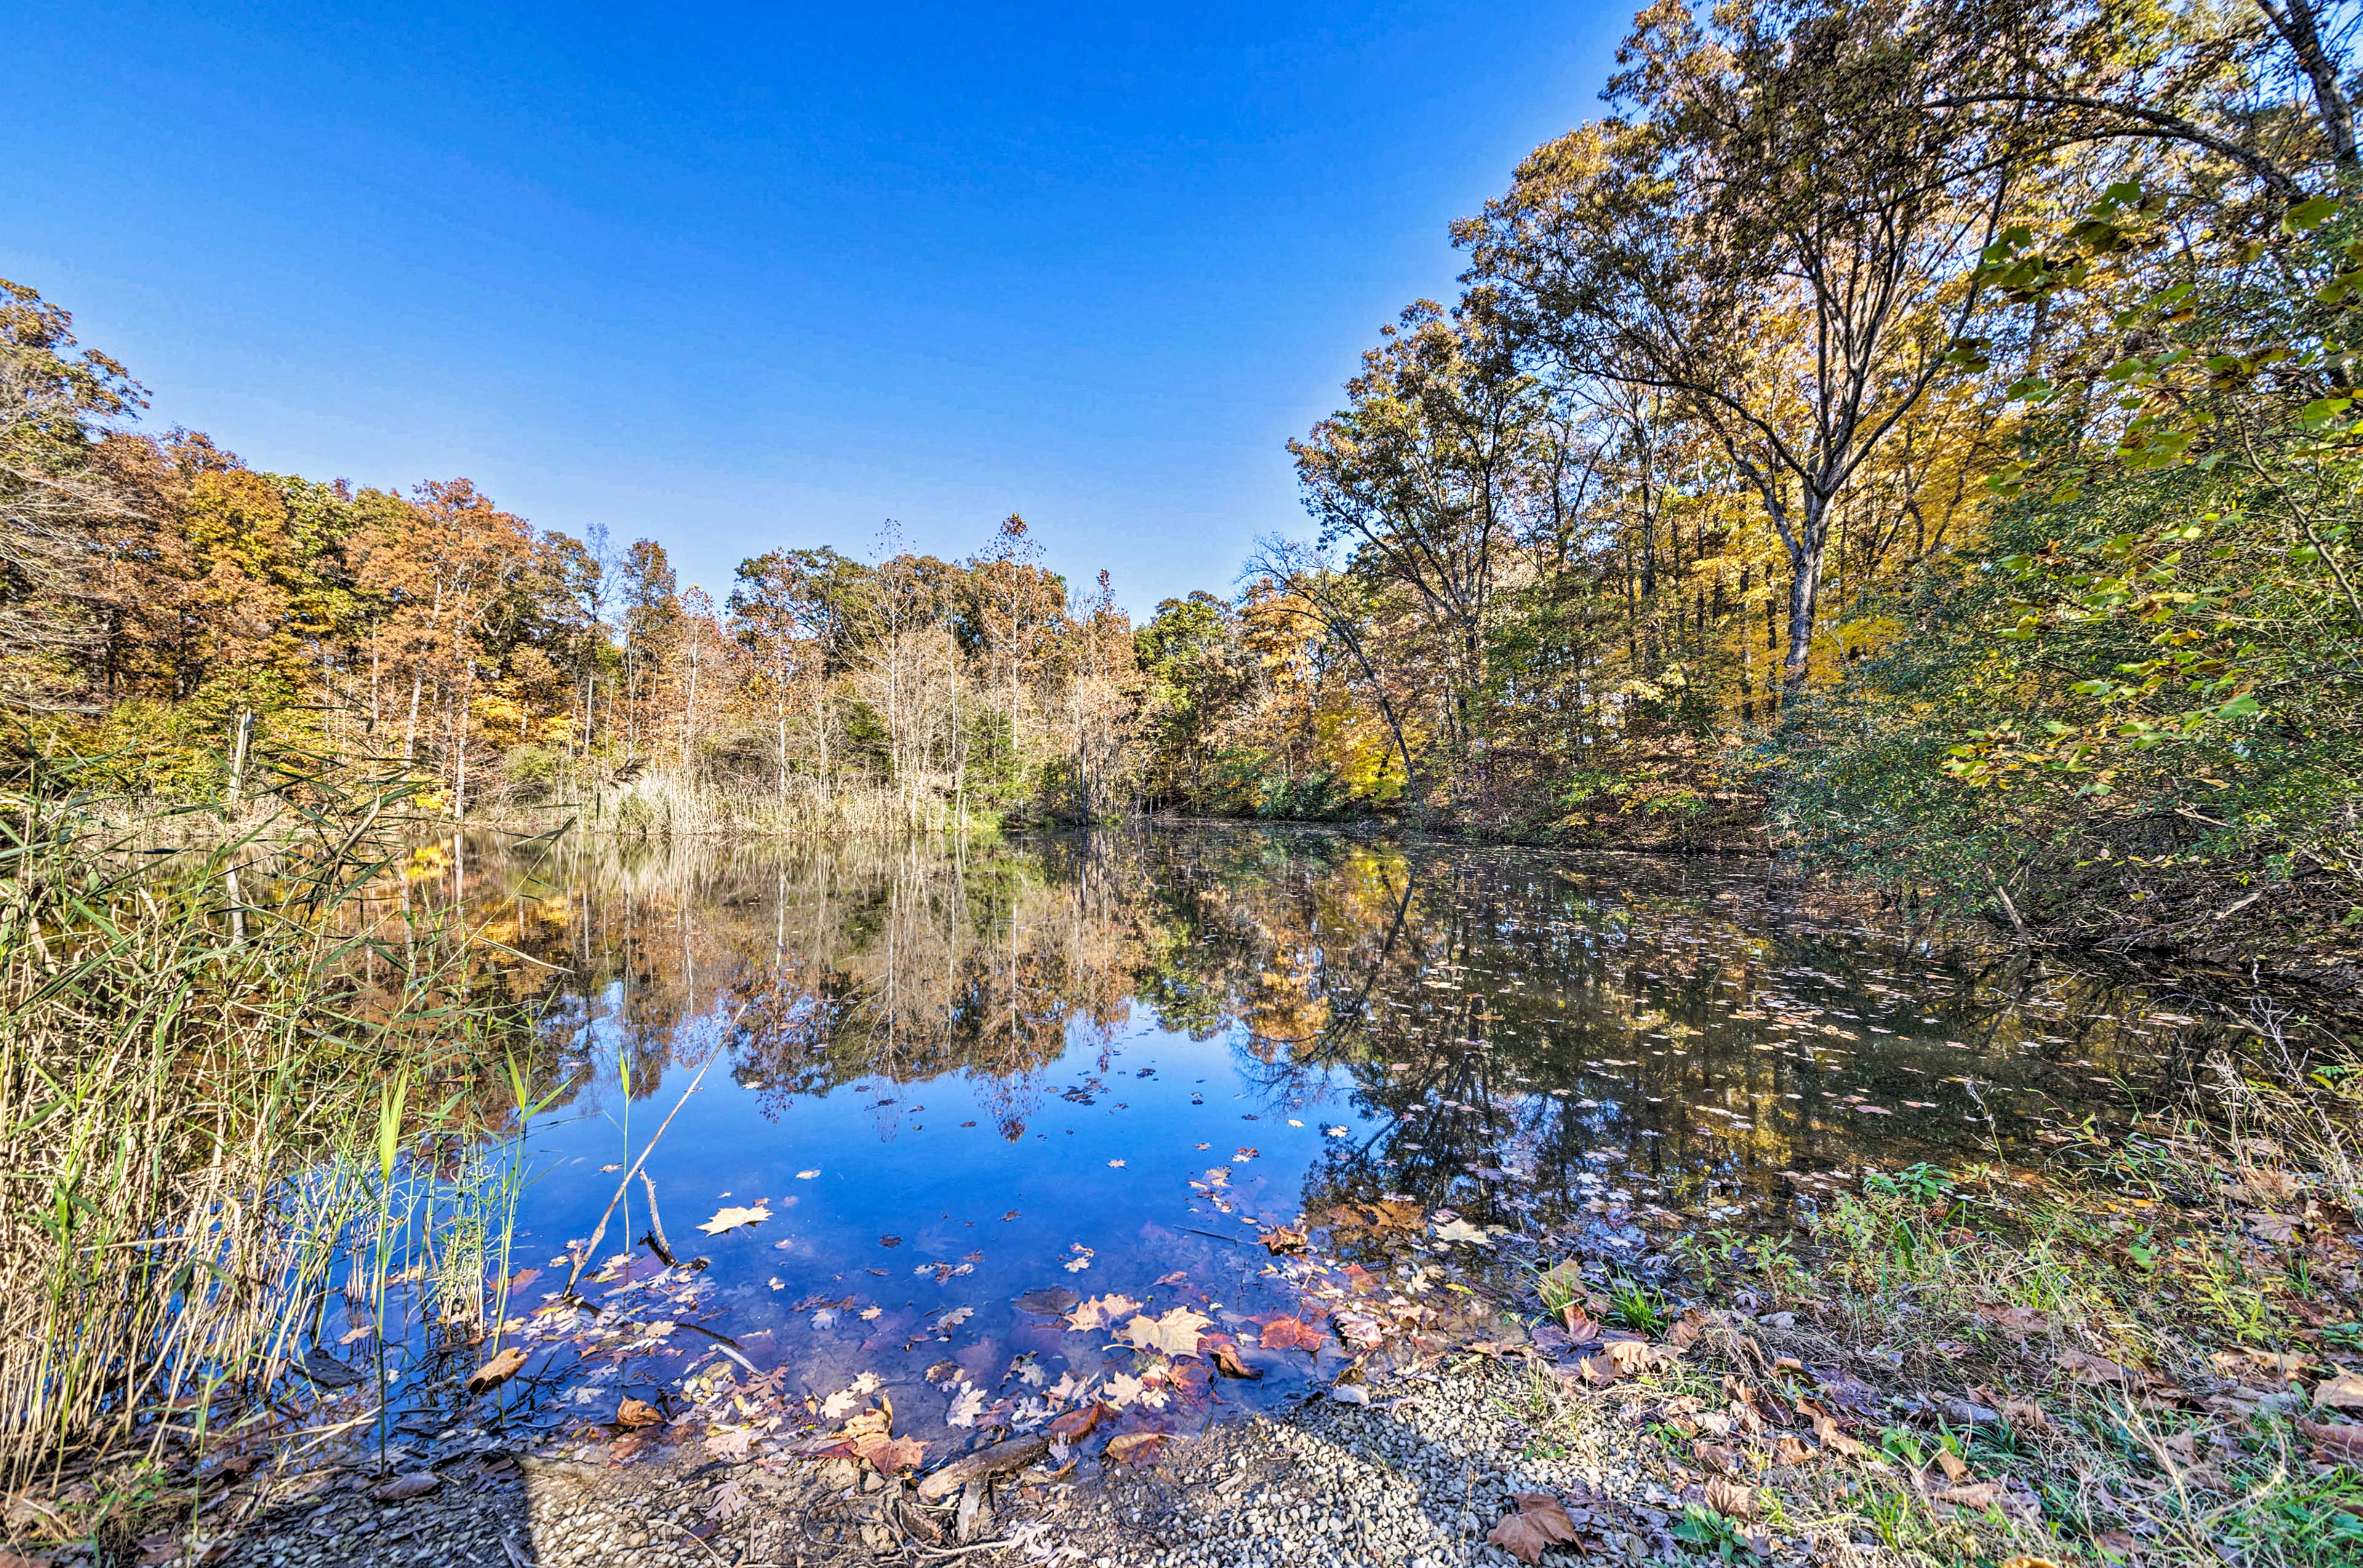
198,1051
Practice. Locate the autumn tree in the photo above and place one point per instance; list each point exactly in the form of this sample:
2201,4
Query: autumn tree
1775,233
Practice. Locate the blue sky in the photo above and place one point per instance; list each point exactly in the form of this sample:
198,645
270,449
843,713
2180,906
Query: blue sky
734,280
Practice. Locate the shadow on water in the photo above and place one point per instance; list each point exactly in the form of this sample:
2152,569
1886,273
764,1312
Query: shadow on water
966,1097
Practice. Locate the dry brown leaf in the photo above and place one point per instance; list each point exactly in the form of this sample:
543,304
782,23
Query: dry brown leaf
733,1216
1540,1523
1631,1356
2028,1413
2344,1391
498,1371
1730,1499
2082,1366
1788,1450
638,1413
1227,1363
1076,1424
1279,1239
1952,1464
1837,1441
1717,1456
2341,1442
1686,1329
1283,1332
1975,1495
1581,1327
417,1484
1133,1447
889,1455
2019,1321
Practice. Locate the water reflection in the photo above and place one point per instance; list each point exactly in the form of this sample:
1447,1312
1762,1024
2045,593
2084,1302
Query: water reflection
958,1078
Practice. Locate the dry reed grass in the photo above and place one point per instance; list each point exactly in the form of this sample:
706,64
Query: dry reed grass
183,1037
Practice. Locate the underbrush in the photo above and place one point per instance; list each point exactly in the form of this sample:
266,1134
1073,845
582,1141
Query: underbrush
2151,1352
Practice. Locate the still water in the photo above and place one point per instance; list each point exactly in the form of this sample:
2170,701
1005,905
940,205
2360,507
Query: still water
970,1092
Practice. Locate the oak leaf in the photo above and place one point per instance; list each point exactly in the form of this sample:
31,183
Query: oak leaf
887,1455
498,1371
638,1413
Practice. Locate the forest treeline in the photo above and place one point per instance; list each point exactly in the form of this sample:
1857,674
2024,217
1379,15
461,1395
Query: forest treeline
1917,433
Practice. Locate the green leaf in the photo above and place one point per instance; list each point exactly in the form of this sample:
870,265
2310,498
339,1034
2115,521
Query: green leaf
2310,213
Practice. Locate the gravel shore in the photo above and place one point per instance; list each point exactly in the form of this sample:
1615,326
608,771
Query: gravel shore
1413,1474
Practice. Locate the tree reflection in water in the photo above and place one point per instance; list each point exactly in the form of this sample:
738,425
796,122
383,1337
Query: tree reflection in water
1492,1010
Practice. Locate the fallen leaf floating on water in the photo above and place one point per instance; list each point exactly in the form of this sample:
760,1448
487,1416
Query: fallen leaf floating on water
1282,1333
1076,1424
1282,1238
1176,1333
1227,1363
1102,1312
1540,1523
806,1176
638,1413
498,1371
968,1403
733,1216
1461,1230
1050,1301
404,1486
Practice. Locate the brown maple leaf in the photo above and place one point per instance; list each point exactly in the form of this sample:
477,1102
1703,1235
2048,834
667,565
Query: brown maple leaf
1283,1332
1540,1523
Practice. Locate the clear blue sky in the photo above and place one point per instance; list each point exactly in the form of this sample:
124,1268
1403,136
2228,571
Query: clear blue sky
734,278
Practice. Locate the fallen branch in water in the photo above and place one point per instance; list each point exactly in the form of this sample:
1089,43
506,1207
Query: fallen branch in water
591,1248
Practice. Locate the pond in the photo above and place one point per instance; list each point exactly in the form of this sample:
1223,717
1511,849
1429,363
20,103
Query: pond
996,1109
